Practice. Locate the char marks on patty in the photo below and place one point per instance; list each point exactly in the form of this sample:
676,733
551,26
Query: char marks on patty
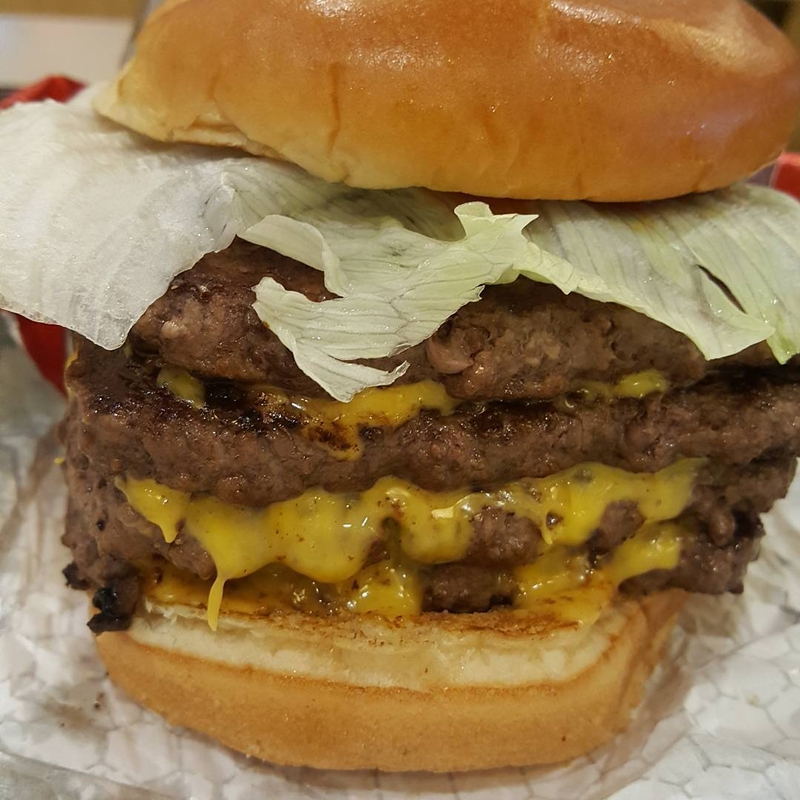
244,453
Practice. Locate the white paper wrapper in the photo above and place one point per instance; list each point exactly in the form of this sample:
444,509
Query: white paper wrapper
721,718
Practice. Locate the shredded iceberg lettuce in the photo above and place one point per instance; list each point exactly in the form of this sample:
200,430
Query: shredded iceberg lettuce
709,266
395,287
95,222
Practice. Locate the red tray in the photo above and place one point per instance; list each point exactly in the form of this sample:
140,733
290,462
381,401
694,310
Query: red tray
46,344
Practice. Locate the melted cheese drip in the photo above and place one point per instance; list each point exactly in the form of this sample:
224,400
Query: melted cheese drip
566,578
338,426
327,537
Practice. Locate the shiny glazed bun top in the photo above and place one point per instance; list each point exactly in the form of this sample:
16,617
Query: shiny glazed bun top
608,100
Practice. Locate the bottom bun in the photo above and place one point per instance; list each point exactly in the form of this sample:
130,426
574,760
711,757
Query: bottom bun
437,692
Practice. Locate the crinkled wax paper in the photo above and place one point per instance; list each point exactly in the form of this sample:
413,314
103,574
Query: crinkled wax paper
721,718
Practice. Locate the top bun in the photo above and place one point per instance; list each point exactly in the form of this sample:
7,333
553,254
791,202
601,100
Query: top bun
607,100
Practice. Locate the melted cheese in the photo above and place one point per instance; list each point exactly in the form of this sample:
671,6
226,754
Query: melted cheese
327,537
635,386
579,591
273,588
385,588
182,385
653,547
338,426
158,504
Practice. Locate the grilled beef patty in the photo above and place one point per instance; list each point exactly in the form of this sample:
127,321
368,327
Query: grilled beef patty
241,450
108,538
523,341
515,359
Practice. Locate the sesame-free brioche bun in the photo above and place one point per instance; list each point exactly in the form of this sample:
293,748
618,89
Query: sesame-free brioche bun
434,692
608,100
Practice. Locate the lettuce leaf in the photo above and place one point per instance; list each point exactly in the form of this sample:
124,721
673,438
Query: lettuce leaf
395,286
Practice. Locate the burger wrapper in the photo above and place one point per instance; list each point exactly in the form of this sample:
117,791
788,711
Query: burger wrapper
721,717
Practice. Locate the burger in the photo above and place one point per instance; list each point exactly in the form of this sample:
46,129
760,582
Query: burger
416,472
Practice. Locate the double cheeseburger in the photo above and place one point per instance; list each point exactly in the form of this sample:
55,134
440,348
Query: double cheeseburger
479,564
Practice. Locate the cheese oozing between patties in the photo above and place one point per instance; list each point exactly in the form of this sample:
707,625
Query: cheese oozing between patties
328,537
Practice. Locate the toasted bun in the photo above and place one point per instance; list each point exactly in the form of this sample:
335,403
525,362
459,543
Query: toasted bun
438,693
560,99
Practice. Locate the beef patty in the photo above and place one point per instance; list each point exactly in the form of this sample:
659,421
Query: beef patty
110,541
513,360
525,340
241,450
